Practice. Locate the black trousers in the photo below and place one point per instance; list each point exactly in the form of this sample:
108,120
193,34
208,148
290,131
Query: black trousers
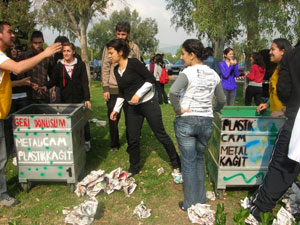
113,125
162,95
281,173
135,116
253,92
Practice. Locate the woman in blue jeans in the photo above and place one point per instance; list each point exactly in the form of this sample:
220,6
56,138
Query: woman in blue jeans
191,96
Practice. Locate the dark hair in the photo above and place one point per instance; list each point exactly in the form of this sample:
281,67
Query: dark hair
283,44
227,50
270,66
123,26
2,23
258,59
36,34
210,51
195,46
70,45
119,45
61,39
159,59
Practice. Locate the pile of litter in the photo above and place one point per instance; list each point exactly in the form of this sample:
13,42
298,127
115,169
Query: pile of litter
91,185
82,214
97,181
201,214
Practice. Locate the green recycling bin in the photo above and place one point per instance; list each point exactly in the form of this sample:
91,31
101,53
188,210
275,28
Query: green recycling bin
241,146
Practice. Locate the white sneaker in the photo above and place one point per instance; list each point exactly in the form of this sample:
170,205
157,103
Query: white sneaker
177,176
14,161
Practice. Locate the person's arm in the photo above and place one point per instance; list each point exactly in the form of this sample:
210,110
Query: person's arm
85,82
180,83
23,82
284,84
24,65
105,70
54,78
252,74
236,71
225,71
117,109
220,96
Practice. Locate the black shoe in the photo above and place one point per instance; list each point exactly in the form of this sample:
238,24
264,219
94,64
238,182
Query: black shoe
180,204
133,171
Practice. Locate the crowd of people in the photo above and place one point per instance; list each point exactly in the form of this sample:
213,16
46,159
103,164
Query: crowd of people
26,78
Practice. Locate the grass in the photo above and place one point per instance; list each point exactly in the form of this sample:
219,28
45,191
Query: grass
45,201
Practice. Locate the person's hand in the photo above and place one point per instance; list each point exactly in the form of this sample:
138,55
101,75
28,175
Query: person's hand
113,116
26,81
88,104
182,111
262,107
42,90
52,49
134,100
233,62
53,96
277,113
106,96
34,86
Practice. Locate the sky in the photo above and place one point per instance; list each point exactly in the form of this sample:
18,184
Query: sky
156,9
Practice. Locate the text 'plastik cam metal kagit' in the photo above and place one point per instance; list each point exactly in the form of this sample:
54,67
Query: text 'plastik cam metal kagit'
241,146
50,143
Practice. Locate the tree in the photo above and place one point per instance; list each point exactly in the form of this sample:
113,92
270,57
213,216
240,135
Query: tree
72,16
18,13
255,21
216,20
142,31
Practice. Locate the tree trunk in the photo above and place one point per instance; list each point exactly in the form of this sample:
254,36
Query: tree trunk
218,46
252,30
84,49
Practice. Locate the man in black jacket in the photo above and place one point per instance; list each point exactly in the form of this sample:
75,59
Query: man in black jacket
282,171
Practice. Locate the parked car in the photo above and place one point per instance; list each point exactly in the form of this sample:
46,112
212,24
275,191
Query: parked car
177,67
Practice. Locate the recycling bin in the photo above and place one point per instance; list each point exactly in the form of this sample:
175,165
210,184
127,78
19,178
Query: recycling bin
49,140
241,146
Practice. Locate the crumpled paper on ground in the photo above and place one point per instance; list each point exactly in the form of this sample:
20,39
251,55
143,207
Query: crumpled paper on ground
283,217
97,181
177,176
141,211
99,123
245,203
160,171
201,214
210,195
82,214
292,199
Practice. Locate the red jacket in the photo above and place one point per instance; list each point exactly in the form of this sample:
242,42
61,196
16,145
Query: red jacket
256,74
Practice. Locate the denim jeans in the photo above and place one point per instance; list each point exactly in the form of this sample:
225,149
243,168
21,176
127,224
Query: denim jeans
193,134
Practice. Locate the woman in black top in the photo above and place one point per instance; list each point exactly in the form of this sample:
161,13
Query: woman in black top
136,93
69,74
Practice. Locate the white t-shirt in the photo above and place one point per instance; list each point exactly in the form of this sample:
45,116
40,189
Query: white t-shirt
199,93
3,58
